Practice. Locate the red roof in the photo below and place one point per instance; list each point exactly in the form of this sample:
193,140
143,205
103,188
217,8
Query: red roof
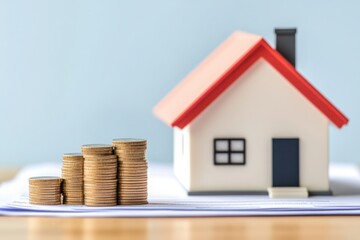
223,67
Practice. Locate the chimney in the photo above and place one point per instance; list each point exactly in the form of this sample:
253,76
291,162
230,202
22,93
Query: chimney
285,43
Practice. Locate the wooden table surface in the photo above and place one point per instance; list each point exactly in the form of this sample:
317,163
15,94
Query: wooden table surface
318,228
261,228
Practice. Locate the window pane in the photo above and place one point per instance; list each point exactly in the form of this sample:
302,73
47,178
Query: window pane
237,145
237,158
221,145
221,158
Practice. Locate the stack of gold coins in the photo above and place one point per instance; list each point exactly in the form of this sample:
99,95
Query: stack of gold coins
45,190
132,188
73,179
100,175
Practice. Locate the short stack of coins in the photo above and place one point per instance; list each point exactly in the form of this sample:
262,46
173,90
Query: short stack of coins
100,175
45,190
132,188
73,179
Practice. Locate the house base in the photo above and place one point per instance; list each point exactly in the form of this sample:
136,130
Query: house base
288,192
254,193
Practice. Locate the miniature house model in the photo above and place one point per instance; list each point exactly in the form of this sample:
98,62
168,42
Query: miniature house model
246,121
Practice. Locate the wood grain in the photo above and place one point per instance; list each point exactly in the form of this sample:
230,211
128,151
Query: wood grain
317,228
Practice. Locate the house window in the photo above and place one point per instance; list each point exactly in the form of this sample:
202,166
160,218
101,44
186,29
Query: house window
229,151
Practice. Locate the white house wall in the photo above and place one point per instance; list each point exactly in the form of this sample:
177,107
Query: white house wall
260,106
182,156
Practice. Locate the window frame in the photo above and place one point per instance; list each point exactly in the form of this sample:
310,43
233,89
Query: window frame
229,151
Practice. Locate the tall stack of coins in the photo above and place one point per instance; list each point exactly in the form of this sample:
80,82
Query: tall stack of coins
73,179
45,190
100,175
132,188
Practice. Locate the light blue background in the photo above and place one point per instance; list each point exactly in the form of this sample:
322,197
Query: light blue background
77,72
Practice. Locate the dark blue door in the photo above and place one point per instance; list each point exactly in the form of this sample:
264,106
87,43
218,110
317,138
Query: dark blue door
285,162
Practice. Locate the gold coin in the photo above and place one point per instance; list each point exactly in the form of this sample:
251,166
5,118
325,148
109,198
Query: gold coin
72,166
72,169
94,190
126,202
90,204
72,155
99,150
97,199
132,178
100,169
98,196
74,202
96,147
133,168
129,141
73,182
98,190
37,190
73,195
73,189
100,178
140,198
36,198
102,157
119,151
111,181
100,173
133,194
44,179
130,152
132,189
72,178
132,181
103,168
132,163
100,164
132,160
134,172
124,179
132,186
103,164
109,197
100,199
73,186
